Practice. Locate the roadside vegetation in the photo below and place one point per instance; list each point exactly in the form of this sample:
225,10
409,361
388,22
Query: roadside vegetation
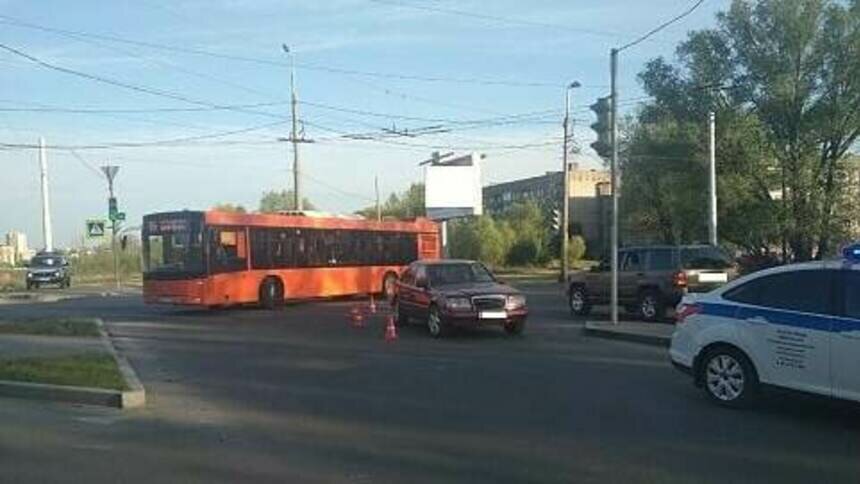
86,370
51,327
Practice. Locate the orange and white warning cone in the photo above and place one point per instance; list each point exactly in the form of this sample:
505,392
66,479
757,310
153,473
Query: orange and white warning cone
390,329
356,317
372,306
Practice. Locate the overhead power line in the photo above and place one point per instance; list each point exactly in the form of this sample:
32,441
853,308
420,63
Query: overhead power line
142,144
129,86
268,62
663,25
75,110
497,18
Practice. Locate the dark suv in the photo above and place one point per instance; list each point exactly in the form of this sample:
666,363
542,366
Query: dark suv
651,279
449,293
48,268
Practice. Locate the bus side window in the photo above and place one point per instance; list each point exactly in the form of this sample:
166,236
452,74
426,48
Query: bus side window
229,250
261,254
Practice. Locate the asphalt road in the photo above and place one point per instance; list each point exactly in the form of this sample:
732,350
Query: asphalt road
298,395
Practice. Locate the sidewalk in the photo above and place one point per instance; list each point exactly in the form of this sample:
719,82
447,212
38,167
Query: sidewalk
657,334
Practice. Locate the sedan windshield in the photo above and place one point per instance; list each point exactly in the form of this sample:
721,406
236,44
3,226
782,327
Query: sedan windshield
46,261
445,274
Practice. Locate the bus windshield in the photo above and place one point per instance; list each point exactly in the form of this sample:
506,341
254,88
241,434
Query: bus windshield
172,247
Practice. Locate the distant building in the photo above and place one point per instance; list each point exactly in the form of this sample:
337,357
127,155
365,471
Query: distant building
587,200
18,242
7,255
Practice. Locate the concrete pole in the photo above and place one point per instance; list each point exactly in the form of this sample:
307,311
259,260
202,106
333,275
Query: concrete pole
614,183
297,183
565,189
47,234
378,206
712,181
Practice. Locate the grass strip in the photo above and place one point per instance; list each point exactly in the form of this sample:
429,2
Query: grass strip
86,370
51,327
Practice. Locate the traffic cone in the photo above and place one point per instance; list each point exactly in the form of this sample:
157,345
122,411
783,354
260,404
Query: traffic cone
372,306
390,329
356,317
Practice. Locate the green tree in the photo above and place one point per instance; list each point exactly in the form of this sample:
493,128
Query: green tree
782,77
229,207
478,238
530,241
408,204
274,201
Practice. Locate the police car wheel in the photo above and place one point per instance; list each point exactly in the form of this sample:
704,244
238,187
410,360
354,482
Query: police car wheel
728,377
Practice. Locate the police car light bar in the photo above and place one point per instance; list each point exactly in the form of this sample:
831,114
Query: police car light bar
852,253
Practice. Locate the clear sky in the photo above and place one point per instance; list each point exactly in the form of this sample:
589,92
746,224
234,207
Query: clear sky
488,73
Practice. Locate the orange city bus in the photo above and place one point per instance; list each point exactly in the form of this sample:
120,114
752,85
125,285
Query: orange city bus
217,258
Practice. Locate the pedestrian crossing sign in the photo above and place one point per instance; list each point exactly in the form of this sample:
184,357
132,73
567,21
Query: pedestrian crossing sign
95,228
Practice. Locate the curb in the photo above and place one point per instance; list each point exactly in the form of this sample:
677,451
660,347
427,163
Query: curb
135,397
647,339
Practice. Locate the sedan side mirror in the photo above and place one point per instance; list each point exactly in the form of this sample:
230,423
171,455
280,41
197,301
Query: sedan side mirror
422,284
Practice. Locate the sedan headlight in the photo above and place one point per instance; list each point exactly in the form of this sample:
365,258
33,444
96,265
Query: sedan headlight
458,303
515,301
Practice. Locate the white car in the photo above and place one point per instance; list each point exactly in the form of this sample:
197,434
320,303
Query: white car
795,326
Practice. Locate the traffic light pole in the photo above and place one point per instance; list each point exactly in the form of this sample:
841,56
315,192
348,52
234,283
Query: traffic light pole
110,172
614,184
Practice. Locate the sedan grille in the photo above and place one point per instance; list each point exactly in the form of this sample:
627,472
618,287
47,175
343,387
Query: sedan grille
489,303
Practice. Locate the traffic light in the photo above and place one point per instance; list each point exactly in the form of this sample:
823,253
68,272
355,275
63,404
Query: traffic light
112,208
603,127
556,220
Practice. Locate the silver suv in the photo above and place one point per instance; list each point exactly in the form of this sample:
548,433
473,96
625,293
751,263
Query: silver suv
651,279
48,268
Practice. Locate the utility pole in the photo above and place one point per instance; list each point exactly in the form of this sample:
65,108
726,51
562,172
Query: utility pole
378,207
613,72
46,206
298,203
712,181
565,174
110,172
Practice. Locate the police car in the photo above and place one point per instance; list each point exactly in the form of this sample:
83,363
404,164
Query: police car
795,326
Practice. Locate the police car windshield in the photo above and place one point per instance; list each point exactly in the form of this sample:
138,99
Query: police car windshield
704,258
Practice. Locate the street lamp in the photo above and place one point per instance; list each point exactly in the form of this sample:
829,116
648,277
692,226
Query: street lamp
565,191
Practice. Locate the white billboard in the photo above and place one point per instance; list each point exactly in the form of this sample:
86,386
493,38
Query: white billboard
453,188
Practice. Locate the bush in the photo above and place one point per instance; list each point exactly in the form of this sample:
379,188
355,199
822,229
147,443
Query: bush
524,252
575,249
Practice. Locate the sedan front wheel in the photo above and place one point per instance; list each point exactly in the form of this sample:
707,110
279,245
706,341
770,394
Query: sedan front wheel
435,325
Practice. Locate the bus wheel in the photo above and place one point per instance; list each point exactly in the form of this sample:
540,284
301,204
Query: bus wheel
271,293
388,285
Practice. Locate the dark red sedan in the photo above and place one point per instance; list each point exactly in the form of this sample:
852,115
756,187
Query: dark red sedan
445,294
